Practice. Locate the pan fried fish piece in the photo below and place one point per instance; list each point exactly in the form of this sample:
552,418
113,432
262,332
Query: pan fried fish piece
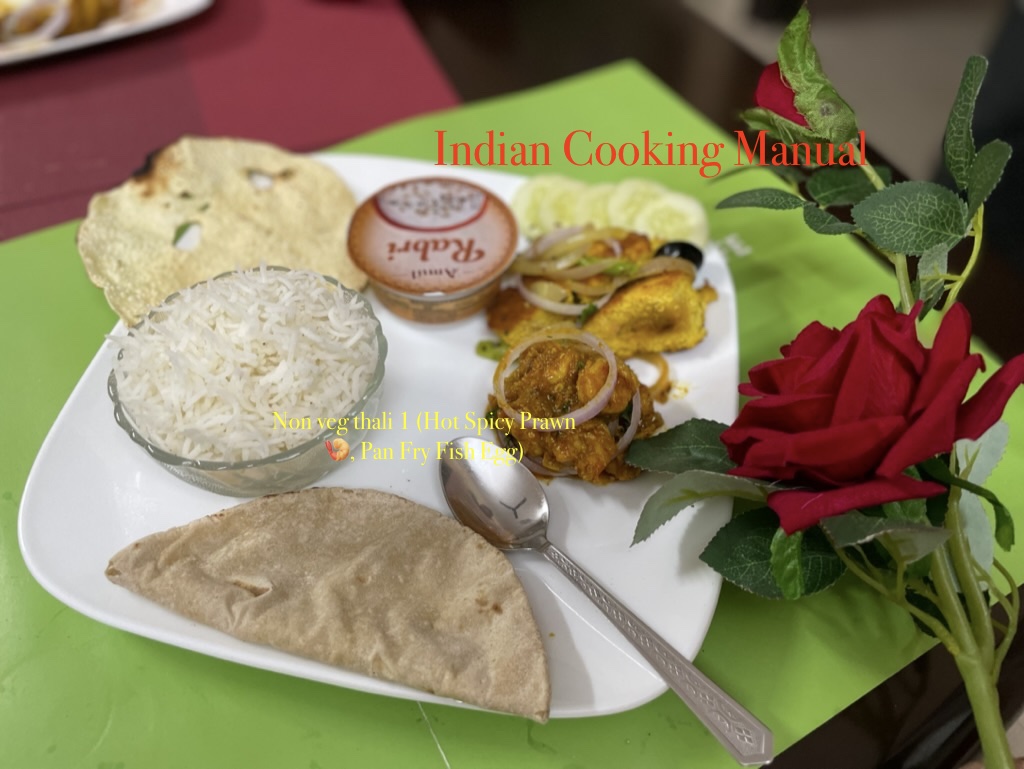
657,314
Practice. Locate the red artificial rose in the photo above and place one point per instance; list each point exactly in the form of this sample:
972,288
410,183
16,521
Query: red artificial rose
843,414
774,94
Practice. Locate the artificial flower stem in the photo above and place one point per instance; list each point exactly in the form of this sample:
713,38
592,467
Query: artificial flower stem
963,566
876,181
1011,604
988,719
899,261
903,280
977,225
977,676
936,627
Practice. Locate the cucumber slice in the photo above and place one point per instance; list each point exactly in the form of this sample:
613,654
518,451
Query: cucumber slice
673,216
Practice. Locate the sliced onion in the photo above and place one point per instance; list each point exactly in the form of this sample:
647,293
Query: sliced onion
586,289
614,245
634,425
58,19
570,239
539,469
578,416
567,268
551,239
659,390
660,264
558,308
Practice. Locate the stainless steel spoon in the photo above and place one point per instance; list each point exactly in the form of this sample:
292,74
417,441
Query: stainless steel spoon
506,505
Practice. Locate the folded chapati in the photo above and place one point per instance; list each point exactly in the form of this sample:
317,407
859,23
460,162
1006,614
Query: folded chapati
204,206
360,579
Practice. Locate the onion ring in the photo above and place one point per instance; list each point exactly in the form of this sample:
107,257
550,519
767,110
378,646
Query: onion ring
550,239
634,425
588,410
550,305
660,264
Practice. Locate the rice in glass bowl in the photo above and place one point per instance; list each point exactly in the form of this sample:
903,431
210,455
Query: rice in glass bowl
230,384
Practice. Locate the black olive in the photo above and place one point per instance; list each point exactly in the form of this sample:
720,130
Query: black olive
683,250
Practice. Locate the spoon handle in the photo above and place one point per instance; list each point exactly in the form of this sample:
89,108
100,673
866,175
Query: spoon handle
747,739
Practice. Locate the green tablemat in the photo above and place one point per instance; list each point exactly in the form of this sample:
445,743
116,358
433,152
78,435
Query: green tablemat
75,693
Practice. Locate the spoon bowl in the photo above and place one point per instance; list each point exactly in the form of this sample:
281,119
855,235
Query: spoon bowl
502,503
505,504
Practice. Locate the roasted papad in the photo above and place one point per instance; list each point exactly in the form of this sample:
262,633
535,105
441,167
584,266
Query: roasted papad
247,202
360,579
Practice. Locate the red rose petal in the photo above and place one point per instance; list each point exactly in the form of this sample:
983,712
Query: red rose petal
799,509
842,453
774,94
814,341
778,376
984,409
952,344
786,413
932,431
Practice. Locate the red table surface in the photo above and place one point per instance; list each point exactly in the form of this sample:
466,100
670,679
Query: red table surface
302,74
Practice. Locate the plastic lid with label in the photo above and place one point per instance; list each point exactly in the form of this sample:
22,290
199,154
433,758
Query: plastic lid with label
434,248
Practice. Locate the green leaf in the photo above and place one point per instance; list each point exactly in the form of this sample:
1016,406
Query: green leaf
925,604
793,174
180,230
492,349
835,186
958,146
693,445
821,221
785,563
931,283
588,312
912,217
687,489
752,552
762,198
814,95
906,541
979,458
985,173
938,470
778,127
741,551
913,510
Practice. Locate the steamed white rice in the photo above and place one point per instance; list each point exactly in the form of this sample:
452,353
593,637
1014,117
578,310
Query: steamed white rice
202,376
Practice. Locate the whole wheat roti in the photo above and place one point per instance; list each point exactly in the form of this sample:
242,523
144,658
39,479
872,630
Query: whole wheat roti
361,579
250,202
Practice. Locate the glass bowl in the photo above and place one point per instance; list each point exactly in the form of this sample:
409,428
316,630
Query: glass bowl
288,470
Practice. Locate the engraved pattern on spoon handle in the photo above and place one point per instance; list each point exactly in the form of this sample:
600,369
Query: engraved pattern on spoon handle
746,738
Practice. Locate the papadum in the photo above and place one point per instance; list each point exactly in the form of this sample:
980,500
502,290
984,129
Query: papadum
204,206
360,579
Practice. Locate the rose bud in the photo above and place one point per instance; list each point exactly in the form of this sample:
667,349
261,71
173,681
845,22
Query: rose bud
774,94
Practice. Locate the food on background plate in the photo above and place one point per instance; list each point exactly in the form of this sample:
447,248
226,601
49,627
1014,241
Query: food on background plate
204,206
434,248
549,202
572,406
241,367
31,21
634,293
359,579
